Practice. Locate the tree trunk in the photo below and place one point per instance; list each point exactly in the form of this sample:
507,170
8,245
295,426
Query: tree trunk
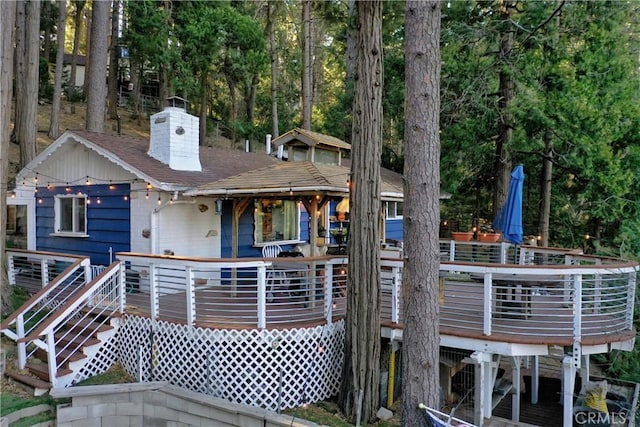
27,82
273,56
361,370
502,157
163,69
96,97
76,45
46,41
203,110
307,63
545,189
7,22
54,125
233,114
420,285
113,62
250,99
87,57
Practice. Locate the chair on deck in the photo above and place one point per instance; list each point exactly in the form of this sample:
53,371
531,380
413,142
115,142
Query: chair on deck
277,282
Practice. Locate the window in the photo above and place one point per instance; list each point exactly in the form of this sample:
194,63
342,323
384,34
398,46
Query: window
71,214
276,221
394,210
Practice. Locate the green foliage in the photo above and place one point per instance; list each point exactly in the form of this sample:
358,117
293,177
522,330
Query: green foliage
45,88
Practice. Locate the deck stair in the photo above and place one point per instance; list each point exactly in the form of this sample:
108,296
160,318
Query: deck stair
501,388
59,332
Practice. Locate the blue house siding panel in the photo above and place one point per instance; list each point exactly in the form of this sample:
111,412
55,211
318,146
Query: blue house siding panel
108,224
393,229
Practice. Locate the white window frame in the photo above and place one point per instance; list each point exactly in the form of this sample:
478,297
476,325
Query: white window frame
258,232
79,227
392,210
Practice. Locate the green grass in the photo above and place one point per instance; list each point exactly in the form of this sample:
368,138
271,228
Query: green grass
11,402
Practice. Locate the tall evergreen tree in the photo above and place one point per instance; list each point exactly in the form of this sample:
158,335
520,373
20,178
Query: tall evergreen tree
7,25
359,391
96,98
420,286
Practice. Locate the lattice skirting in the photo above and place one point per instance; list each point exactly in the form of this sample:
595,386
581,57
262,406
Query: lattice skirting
271,369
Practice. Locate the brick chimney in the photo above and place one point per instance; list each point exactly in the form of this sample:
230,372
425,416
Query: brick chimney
175,137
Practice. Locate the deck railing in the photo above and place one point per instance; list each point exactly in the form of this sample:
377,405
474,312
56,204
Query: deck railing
545,295
256,293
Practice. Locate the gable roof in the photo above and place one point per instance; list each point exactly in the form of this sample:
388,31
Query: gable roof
130,153
300,178
310,138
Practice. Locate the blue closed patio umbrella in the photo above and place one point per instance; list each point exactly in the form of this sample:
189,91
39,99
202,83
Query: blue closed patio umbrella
509,219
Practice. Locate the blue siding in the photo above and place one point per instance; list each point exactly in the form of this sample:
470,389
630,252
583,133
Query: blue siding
393,228
108,224
246,228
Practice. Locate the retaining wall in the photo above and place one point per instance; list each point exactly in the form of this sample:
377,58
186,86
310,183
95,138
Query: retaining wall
159,404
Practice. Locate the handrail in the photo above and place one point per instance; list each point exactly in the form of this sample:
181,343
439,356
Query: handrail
45,292
95,302
78,297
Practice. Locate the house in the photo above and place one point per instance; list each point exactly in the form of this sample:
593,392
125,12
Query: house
189,301
96,194
81,65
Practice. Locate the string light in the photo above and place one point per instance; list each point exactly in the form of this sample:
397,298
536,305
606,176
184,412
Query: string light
35,179
49,186
111,186
126,197
146,196
88,182
98,201
159,199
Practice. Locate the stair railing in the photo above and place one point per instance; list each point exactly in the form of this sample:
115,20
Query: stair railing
43,304
89,308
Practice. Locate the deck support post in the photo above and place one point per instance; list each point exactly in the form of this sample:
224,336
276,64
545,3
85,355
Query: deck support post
484,373
535,379
568,383
516,378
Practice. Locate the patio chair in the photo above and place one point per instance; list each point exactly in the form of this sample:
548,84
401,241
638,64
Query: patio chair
277,282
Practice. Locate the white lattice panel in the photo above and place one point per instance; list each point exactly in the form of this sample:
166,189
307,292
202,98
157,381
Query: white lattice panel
104,359
266,368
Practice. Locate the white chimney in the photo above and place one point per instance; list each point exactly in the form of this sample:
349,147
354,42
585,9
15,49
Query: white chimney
175,137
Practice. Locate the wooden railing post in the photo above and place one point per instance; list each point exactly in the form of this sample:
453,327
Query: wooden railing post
122,287
577,319
22,346
487,304
154,298
52,359
262,297
191,297
328,291
44,272
631,297
396,282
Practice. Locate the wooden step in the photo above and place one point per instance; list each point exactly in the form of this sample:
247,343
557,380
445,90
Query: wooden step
74,340
32,384
66,355
41,370
88,325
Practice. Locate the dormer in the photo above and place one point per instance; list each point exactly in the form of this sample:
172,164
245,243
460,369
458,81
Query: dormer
301,144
